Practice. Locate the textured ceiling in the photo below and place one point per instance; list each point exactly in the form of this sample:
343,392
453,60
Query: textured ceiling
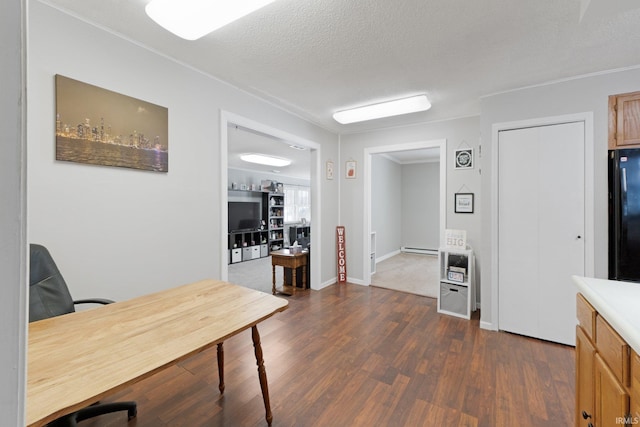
314,57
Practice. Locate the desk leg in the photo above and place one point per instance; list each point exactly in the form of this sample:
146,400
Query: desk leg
273,279
262,373
221,368
304,277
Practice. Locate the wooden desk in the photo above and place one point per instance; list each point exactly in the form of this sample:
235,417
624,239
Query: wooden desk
77,359
288,259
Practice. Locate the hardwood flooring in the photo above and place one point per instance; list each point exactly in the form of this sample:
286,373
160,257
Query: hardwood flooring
363,356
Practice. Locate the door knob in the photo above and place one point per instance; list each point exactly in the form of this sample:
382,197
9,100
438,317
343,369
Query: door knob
579,237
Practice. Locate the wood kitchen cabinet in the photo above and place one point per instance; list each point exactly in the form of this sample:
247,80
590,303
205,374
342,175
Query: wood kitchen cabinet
611,398
624,120
585,392
607,373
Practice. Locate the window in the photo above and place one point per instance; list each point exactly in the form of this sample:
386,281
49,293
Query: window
297,203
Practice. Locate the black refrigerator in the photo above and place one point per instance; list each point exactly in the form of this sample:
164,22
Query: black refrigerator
624,214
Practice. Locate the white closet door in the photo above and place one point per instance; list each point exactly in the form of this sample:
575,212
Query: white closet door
541,229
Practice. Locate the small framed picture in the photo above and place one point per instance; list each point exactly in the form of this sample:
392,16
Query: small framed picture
464,158
455,276
463,202
329,169
350,171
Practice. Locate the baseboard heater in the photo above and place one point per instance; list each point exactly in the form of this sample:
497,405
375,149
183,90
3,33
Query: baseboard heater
420,251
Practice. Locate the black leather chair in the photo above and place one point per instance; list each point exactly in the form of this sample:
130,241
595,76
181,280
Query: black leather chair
49,297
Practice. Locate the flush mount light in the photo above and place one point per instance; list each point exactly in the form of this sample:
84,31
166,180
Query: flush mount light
383,109
192,19
263,159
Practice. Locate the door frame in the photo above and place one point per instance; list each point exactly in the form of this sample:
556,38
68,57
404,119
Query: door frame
368,153
589,205
227,117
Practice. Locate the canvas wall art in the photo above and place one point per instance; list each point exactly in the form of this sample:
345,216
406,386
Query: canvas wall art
101,127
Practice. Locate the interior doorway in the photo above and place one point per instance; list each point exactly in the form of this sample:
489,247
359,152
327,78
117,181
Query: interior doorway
370,242
229,119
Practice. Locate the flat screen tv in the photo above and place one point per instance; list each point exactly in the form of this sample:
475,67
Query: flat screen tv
244,216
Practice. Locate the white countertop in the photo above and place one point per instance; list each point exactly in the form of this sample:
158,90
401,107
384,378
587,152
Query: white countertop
618,302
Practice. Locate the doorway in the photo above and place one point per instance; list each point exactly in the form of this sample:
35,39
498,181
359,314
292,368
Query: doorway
314,148
543,234
368,244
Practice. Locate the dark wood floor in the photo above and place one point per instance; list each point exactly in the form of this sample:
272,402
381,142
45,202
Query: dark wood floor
361,356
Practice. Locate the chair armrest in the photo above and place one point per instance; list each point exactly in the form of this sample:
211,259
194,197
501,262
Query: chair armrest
93,301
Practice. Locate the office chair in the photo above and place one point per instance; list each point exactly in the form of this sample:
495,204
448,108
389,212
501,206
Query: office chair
50,297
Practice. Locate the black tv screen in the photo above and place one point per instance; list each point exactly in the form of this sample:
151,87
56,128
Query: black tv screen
244,216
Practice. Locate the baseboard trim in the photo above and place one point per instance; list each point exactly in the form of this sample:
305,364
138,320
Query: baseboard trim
387,256
420,251
488,326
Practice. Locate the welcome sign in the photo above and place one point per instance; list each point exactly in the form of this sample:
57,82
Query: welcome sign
341,250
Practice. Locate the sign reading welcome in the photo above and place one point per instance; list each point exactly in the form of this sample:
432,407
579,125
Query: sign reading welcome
341,248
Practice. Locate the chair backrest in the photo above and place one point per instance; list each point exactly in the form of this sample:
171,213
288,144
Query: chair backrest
48,292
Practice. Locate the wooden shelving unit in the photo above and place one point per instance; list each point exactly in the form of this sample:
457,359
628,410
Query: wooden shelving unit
273,212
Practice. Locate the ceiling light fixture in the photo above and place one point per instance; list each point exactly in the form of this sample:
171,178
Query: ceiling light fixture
384,109
263,159
192,19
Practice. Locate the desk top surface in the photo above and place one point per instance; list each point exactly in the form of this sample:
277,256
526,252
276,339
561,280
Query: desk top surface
78,358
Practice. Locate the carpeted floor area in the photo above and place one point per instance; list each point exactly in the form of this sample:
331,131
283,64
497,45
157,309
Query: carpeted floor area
405,272
255,274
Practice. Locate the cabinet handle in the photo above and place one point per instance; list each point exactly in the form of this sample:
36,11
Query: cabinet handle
590,425
585,415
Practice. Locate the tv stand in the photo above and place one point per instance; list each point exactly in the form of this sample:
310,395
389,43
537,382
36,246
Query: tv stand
248,245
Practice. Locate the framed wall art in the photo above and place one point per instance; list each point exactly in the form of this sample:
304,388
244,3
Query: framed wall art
463,203
329,169
463,158
100,127
350,171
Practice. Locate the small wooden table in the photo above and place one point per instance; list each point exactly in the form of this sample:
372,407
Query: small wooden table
79,358
288,259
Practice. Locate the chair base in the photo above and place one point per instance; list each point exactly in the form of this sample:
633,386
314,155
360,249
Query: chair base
72,419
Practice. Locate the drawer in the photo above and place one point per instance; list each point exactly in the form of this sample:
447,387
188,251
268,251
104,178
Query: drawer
586,315
635,384
613,349
255,252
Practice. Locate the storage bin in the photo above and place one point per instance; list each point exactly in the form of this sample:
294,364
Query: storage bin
454,298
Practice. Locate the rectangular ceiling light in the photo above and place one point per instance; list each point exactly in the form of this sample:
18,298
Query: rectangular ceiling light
192,19
264,159
383,109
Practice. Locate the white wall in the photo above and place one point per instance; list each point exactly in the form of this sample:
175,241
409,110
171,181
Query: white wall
13,252
116,232
421,205
458,132
386,205
587,94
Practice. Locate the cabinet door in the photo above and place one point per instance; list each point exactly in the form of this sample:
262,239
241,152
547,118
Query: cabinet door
624,120
628,119
585,353
611,399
